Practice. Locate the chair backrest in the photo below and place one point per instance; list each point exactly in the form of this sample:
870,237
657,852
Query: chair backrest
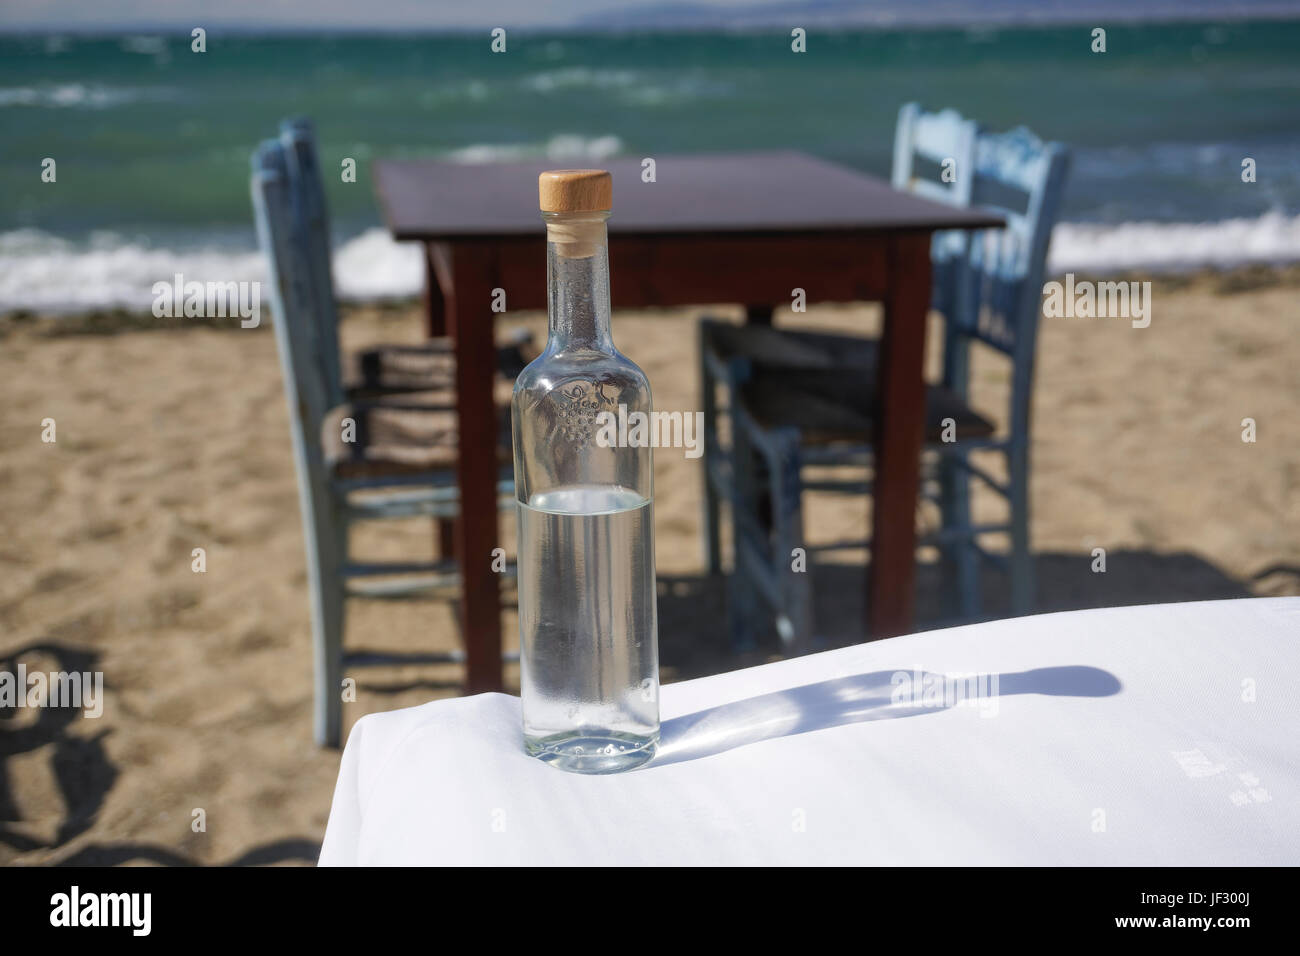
940,140
929,144
999,288
280,238
307,200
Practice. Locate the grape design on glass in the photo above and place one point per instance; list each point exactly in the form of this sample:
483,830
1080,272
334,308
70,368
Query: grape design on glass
579,405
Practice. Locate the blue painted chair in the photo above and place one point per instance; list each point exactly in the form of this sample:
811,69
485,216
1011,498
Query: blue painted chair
799,400
946,142
389,372
355,461
934,157
927,146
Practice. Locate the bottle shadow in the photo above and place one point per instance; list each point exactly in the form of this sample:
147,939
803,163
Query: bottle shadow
879,695
691,607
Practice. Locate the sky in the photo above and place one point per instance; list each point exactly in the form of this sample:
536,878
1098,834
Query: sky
436,15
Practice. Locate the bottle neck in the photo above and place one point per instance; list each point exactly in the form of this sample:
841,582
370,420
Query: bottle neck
577,277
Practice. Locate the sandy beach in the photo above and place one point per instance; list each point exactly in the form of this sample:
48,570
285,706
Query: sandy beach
176,438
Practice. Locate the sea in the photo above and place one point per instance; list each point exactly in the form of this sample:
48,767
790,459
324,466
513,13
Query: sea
151,140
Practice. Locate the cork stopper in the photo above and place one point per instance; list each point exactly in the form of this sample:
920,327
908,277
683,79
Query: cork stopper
575,190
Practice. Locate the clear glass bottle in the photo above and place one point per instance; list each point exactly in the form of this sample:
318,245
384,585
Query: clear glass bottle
589,661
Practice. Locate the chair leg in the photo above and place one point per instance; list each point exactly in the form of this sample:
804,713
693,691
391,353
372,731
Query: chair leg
712,537
1023,585
795,616
949,477
965,555
327,597
740,610
741,596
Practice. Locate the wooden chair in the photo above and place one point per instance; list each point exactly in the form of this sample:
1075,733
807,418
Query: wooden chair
399,461
386,372
924,144
927,146
798,400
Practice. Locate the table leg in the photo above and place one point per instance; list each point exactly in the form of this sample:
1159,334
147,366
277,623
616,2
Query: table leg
899,432
436,291
469,315
435,311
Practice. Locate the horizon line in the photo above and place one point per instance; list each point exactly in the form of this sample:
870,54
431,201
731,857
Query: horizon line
883,23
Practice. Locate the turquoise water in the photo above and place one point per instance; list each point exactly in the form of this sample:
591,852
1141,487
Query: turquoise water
152,141
147,133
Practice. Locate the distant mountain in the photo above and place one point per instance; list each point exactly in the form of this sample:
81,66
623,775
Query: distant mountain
884,13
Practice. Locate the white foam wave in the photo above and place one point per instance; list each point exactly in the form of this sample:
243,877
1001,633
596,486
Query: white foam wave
629,86
579,77
1272,238
43,273
373,266
560,146
91,96
145,45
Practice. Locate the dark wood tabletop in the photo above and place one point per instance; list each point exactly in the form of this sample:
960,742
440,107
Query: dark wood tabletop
771,193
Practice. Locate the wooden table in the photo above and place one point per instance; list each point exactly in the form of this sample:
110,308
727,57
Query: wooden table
738,228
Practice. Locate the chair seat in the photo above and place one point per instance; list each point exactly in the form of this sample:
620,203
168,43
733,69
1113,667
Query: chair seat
400,368
391,440
824,384
425,367
768,347
838,406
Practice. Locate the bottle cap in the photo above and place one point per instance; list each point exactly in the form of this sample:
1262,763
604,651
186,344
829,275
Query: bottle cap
575,190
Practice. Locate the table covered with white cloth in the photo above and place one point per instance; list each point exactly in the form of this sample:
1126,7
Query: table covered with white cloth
1157,735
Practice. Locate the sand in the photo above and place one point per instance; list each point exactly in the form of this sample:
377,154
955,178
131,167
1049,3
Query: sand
171,439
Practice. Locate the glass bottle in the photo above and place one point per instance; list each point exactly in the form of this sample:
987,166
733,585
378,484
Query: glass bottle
589,661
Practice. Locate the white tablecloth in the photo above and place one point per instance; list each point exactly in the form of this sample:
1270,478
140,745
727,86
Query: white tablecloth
1154,735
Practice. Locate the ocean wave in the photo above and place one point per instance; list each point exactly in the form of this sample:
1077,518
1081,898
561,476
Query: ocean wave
77,96
579,77
373,266
47,274
144,45
446,94
43,273
630,86
1272,238
560,146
